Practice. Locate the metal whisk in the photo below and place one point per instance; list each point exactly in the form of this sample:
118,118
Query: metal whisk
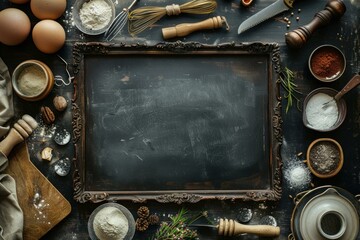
118,23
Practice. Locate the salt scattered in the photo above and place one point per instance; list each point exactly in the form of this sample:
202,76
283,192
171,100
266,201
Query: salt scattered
297,175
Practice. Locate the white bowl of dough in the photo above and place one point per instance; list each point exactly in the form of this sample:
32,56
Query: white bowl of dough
93,17
111,221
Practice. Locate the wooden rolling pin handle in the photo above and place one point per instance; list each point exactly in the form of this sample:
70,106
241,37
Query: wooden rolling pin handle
232,228
185,29
298,37
21,130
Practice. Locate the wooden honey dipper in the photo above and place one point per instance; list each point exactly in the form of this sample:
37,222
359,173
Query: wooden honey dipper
232,228
18,133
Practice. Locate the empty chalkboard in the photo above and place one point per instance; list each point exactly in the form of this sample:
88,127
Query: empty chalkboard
176,122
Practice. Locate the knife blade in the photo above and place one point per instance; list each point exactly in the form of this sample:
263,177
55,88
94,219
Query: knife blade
266,13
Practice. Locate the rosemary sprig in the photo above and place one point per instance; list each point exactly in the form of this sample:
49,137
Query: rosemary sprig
177,227
286,77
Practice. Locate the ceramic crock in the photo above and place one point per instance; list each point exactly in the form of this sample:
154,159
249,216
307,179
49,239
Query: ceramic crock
325,213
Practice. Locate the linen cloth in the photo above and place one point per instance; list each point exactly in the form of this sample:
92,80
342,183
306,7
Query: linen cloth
11,215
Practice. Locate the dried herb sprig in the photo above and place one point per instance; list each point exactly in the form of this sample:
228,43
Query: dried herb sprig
177,227
286,78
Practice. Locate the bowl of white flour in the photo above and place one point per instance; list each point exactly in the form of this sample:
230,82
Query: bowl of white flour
111,221
93,17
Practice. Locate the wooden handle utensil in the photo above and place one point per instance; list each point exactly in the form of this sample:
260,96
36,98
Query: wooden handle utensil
232,228
333,9
185,29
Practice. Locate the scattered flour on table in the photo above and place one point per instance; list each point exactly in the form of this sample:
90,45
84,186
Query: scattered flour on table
95,14
319,117
110,224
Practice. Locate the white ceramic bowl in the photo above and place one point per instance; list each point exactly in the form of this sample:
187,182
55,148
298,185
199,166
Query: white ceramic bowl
78,23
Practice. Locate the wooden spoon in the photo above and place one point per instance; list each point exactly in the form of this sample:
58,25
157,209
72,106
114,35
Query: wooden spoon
354,82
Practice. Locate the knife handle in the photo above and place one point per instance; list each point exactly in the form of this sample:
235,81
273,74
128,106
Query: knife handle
232,228
298,37
185,29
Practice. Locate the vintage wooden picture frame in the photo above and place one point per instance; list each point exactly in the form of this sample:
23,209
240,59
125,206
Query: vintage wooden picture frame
176,122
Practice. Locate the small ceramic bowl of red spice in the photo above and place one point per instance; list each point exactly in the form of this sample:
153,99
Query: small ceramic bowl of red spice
327,63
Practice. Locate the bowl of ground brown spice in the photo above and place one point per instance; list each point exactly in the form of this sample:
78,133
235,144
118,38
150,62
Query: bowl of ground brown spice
327,63
325,157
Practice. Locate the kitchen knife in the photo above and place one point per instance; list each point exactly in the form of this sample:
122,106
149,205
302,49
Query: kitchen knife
232,228
268,12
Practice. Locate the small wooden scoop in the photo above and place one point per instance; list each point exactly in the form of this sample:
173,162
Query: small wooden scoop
185,29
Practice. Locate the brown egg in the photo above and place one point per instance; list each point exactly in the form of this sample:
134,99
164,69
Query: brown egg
19,1
48,9
48,36
14,26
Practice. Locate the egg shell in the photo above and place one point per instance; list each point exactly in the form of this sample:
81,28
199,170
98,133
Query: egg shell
48,9
19,1
48,36
14,26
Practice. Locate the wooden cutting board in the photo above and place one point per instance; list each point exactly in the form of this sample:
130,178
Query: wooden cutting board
43,205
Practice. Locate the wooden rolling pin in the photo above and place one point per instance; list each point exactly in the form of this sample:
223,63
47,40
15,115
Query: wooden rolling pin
185,29
18,133
232,228
298,37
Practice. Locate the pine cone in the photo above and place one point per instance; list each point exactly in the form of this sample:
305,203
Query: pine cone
143,212
153,219
141,224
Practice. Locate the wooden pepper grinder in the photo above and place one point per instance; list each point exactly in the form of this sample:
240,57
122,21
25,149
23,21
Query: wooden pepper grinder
184,29
333,9
18,133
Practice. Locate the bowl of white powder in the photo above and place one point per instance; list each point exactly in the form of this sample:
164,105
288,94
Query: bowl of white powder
111,221
322,112
93,17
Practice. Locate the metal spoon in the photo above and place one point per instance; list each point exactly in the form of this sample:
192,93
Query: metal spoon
350,85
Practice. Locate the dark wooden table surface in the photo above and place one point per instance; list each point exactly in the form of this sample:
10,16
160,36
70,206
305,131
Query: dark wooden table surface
343,33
